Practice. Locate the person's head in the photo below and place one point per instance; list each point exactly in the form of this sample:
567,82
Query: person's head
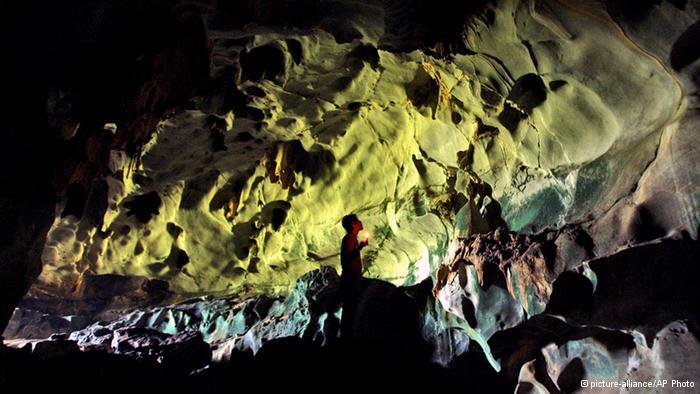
352,224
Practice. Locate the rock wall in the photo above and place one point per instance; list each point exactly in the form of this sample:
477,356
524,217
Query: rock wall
535,308
546,113
534,159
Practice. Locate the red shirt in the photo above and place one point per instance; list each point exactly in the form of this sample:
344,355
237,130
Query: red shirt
350,259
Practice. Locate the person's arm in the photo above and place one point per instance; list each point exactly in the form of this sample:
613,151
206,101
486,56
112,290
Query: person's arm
362,244
352,249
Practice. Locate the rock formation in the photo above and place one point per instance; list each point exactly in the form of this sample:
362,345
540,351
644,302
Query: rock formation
176,173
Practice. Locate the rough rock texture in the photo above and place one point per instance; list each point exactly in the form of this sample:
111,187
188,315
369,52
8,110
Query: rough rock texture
657,287
309,311
600,319
182,187
72,69
387,317
397,329
665,198
535,118
524,265
562,356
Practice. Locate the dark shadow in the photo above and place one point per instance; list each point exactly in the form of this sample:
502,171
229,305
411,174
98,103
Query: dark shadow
263,62
570,378
197,188
528,92
571,292
423,91
295,50
75,201
366,53
686,49
144,206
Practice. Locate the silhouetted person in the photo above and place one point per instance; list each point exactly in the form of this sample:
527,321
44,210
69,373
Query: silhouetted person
351,276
